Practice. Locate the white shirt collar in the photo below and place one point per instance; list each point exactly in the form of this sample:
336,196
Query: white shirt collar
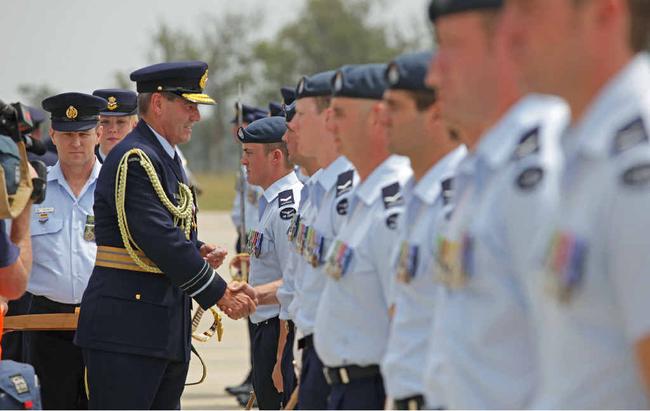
169,149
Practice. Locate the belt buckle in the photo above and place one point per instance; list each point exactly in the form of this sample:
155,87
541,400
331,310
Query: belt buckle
343,374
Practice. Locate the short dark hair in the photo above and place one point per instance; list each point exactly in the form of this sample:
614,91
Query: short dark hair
144,100
322,103
639,37
282,146
423,98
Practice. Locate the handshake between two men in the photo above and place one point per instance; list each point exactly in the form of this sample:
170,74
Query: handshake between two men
240,299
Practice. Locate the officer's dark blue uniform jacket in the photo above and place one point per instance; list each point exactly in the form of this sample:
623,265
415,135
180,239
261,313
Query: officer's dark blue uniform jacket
135,312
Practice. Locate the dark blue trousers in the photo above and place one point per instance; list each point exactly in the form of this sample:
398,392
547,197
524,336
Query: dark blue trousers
265,349
13,343
127,381
361,394
314,389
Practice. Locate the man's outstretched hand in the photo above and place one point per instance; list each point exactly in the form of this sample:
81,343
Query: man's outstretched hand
236,304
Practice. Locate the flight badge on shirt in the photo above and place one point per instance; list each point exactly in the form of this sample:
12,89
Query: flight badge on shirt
89,228
454,261
565,264
407,263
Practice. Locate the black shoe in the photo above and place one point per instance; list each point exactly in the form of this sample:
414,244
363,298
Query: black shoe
244,388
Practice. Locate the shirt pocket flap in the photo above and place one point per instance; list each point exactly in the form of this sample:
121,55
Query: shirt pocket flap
50,226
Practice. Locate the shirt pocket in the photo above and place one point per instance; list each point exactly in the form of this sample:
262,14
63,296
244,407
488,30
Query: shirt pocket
48,242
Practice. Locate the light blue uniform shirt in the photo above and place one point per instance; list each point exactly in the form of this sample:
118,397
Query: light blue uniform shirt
427,204
63,247
593,296
352,319
269,259
313,279
483,330
289,292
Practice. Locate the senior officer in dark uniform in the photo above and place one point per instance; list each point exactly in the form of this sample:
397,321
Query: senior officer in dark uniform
118,119
135,324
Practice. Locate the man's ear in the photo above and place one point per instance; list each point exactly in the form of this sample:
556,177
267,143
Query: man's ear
52,135
156,103
99,131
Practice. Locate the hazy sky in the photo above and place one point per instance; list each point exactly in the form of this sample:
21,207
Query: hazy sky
77,45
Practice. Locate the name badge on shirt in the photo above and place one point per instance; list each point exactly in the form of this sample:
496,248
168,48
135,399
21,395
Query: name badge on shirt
407,263
44,213
564,266
339,259
254,243
89,228
454,261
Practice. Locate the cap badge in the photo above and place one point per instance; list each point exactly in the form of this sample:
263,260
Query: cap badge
301,86
393,74
204,80
112,103
240,133
71,113
338,82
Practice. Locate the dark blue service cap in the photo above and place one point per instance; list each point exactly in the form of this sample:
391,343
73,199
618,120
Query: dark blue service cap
360,81
265,131
249,113
288,94
408,71
275,109
38,116
185,78
289,111
317,85
439,8
74,111
120,102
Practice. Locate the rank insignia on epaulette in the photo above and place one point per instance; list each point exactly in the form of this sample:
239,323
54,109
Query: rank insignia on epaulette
392,196
339,260
292,232
447,190
528,144
285,198
344,182
407,263
89,228
254,243
631,135
565,264
19,383
454,263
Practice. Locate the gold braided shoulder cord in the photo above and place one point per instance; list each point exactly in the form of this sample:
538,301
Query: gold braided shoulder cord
182,213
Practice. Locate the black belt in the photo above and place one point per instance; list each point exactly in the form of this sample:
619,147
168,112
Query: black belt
349,373
306,342
415,402
270,321
43,305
